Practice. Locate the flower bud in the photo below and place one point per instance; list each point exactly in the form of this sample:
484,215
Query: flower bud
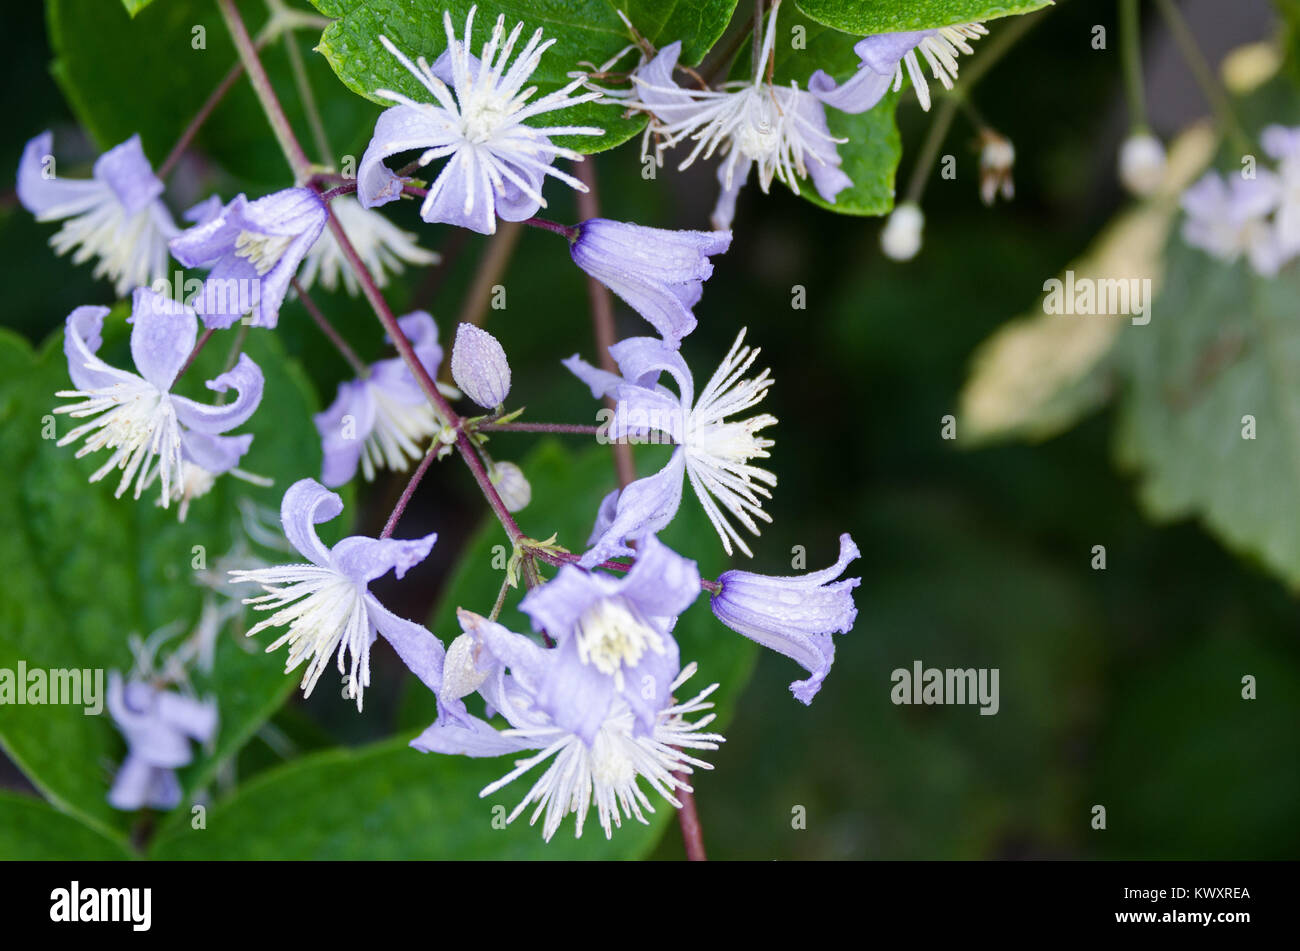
479,366
901,237
511,485
1142,164
460,674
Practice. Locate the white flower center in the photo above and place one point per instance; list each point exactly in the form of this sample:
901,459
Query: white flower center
400,436
325,611
612,636
138,421
263,251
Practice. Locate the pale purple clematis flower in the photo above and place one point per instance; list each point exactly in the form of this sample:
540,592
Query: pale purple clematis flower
117,215
780,129
253,249
713,451
381,245
327,604
793,615
385,420
153,432
884,58
659,273
1283,144
478,121
1232,219
479,366
158,726
614,638
515,676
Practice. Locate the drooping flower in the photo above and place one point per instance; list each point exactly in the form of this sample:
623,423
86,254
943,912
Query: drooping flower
514,675
713,451
613,637
1227,220
997,159
900,239
1142,164
384,421
158,726
253,249
793,615
1283,144
117,215
327,605
152,431
479,366
478,120
884,57
384,247
658,272
780,129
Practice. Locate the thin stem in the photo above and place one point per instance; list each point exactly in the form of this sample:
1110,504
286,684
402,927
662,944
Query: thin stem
574,428
569,231
293,153
602,318
357,364
300,79
408,492
500,601
198,346
1201,71
757,46
692,832
930,149
1131,42
200,117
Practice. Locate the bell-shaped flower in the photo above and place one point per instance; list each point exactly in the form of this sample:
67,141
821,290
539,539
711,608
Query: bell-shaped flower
385,420
658,272
158,726
713,451
479,366
153,432
479,121
327,605
519,679
781,130
793,615
253,249
117,215
382,246
615,636
884,58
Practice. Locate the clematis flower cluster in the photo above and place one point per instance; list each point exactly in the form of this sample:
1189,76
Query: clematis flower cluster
592,702
1257,218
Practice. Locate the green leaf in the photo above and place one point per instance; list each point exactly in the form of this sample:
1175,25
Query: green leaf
179,51
31,830
697,23
1223,344
868,17
92,569
390,801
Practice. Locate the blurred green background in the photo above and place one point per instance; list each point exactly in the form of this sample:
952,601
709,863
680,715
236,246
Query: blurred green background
1118,687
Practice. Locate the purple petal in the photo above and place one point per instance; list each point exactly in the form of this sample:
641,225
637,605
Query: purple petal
881,53
645,507
448,201
420,651
55,197
732,181
662,583
128,173
857,94
163,334
364,559
399,129
306,505
342,440
474,738
216,454
246,378
82,338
